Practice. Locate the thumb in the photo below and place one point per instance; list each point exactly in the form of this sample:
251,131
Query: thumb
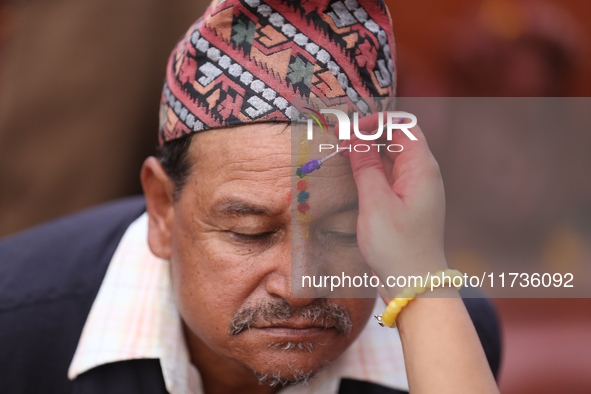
368,171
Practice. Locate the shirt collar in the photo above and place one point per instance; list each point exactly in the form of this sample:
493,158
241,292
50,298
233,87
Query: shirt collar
134,316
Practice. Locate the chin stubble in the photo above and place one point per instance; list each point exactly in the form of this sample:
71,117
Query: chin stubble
298,376
325,312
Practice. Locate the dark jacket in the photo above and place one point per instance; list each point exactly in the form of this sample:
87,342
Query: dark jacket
49,278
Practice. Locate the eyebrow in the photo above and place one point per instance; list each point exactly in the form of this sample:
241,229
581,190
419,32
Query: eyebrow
232,207
235,207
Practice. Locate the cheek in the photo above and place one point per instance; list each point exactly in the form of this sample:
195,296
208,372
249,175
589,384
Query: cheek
206,295
210,284
360,310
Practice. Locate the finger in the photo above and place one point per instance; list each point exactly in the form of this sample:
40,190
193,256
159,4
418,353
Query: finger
387,161
369,125
408,141
407,149
344,148
366,123
414,154
368,171
415,169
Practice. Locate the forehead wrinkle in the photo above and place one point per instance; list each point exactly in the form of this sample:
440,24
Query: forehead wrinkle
242,140
278,176
264,161
253,163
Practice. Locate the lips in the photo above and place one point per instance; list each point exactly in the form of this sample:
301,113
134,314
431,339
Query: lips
285,334
291,326
294,331
295,324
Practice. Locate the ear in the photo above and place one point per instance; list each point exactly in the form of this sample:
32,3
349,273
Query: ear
158,190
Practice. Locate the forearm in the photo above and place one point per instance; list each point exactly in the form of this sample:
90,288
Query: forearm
442,351
402,208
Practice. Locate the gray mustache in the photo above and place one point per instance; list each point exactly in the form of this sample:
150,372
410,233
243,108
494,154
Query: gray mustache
322,311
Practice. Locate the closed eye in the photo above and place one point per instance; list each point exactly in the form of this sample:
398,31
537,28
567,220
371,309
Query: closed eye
253,237
332,237
262,240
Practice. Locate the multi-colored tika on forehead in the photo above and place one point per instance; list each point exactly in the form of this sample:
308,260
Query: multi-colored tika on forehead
303,195
243,61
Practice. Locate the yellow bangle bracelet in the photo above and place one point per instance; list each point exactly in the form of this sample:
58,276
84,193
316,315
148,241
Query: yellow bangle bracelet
388,318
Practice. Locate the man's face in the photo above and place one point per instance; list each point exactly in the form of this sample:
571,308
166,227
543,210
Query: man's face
231,243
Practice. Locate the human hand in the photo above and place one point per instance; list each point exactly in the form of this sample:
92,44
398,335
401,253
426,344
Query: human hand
401,206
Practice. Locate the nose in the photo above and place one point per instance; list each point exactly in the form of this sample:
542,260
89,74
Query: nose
280,286
293,264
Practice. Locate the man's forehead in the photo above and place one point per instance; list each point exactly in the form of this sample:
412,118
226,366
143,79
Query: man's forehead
252,168
253,144
256,146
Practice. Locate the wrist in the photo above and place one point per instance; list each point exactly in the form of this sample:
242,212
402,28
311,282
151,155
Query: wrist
446,282
409,276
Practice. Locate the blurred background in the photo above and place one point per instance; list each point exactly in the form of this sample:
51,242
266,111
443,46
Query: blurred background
515,197
80,84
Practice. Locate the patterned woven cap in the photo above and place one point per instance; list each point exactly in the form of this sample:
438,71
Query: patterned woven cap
243,61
